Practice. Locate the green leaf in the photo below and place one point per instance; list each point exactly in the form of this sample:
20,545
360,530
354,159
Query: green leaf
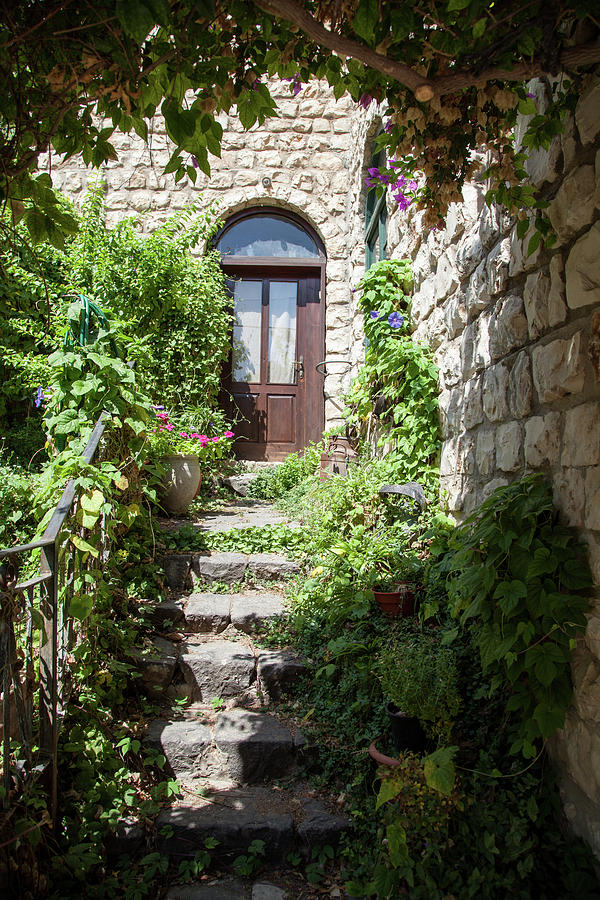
439,769
397,845
83,545
534,243
479,28
92,503
365,20
389,789
80,606
136,18
457,4
548,719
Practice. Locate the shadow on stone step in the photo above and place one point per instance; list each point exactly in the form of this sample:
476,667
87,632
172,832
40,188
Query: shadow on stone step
235,817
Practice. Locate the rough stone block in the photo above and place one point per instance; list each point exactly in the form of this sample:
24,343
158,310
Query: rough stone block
535,295
542,440
223,889
456,314
586,113
465,460
451,407
481,351
126,840
592,495
448,457
581,742
450,364
278,670
251,612
445,281
557,310
177,567
264,891
206,613
168,614
255,745
183,743
520,259
509,447
585,671
470,253
569,496
453,486
240,818
495,393
520,387
573,207
473,405
581,270
486,452
508,328
467,351
157,666
241,483
496,266
217,669
271,566
226,567
558,368
493,485
581,436
319,827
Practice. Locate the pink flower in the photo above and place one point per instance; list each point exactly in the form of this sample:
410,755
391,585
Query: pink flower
169,427
183,434
229,434
214,439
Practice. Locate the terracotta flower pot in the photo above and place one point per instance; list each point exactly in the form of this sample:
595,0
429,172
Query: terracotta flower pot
180,482
380,758
398,602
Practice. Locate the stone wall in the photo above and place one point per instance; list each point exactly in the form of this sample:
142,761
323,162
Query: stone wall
517,340
305,152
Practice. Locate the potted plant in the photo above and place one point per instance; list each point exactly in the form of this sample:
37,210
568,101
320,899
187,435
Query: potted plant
395,582
419,676
182,450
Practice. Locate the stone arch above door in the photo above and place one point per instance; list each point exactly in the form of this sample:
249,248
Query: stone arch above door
275,263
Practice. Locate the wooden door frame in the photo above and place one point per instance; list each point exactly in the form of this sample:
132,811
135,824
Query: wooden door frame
271,268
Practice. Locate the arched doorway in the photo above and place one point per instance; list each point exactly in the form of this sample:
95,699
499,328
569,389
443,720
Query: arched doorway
275,265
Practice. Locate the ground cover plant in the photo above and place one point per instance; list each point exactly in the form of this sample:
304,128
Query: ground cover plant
473,818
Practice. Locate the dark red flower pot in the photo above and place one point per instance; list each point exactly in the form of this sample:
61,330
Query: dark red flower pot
400,602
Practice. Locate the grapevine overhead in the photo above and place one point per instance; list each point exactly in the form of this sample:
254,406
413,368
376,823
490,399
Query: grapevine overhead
450,73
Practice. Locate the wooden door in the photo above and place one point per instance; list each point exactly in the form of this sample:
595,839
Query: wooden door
273,386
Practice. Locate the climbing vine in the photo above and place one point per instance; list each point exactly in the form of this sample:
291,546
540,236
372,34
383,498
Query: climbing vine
397,385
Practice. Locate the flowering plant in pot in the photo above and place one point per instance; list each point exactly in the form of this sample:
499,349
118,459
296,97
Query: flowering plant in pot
419,676
182,449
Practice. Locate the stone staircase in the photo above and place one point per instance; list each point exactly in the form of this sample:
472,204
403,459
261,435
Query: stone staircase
237,759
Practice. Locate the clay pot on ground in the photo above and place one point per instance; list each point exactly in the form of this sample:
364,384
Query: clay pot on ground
399,600
180,483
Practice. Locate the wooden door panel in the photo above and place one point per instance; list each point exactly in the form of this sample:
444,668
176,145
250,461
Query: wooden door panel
284,416
248,429
281,419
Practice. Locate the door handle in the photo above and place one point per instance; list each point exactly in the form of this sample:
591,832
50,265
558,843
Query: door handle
300,368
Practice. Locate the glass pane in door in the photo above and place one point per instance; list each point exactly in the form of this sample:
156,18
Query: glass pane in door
247,306
283,296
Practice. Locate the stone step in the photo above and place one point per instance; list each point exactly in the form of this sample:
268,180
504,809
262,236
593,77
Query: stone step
255,746
242,746
228,889
277,670
216,669
284,820
248,611
232,567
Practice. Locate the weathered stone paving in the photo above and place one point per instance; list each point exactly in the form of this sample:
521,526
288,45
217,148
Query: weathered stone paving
229,745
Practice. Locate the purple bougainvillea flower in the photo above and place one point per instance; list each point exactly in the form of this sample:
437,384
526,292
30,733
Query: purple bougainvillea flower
195,165
388,126
396,320
365,100
39,396
375,314
531,95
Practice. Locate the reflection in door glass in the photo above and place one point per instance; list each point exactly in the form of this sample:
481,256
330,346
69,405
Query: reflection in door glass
282,332
247,304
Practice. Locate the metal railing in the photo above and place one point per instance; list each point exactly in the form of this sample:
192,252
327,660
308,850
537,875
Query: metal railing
38,604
